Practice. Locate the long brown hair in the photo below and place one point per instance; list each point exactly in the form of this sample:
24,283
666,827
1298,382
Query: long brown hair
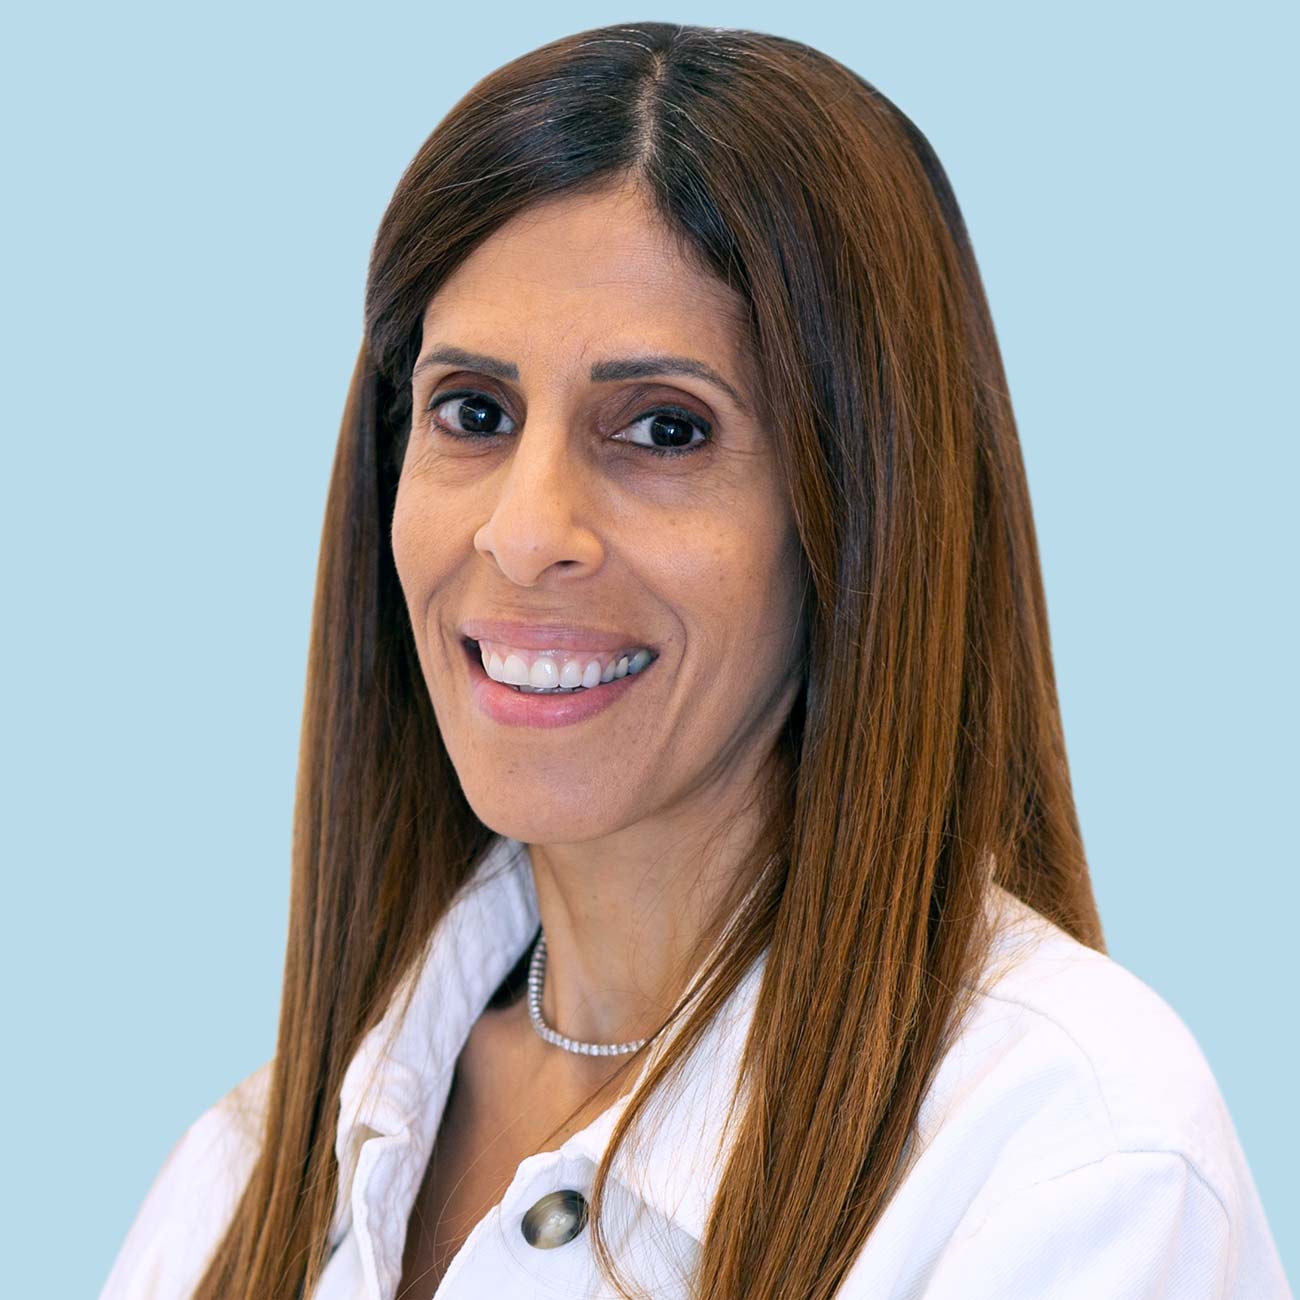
926,745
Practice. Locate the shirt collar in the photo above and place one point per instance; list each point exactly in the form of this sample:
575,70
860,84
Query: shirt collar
397,1083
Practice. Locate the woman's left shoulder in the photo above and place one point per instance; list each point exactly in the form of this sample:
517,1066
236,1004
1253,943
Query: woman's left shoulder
1066,1055
1073,1141
1097,1040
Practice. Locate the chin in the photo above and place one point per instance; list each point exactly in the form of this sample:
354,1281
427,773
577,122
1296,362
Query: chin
541,819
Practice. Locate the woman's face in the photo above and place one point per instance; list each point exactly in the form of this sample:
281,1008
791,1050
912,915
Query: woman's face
569,348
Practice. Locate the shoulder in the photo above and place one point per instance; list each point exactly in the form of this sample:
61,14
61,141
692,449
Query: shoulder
1083,1026
1074,1122
1073,1143
1082,1041
192,1199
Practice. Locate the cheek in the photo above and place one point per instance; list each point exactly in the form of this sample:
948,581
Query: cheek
420,546
757,600
401,539
734,581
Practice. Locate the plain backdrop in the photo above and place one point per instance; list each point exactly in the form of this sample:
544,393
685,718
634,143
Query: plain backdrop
191,197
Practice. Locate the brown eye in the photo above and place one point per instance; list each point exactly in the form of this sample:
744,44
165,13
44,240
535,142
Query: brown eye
671,431
467,415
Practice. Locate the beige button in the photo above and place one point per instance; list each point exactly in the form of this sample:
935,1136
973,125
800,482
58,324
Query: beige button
556,1218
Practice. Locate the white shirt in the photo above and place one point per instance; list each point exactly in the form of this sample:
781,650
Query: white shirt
1073,1144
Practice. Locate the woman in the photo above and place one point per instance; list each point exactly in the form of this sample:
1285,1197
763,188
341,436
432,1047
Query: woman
688,895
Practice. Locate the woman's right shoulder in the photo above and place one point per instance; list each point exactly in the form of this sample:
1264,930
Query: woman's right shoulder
193,1197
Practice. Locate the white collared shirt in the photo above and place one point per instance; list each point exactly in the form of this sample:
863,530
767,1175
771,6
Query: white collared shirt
1074,1144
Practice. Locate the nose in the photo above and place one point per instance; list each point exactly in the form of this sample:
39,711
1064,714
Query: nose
540,499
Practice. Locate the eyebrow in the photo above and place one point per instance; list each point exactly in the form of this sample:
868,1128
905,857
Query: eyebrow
646,367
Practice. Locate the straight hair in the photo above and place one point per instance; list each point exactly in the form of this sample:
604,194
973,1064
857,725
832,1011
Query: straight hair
924,759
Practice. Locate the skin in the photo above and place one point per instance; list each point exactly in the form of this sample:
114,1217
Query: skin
563,515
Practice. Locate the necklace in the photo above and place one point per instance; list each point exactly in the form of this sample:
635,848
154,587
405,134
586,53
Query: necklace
536,974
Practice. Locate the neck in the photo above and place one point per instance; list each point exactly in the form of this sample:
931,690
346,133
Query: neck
629,918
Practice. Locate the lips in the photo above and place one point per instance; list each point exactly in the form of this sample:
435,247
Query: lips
555,636
507,706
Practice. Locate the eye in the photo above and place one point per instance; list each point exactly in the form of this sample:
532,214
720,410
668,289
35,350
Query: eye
674,428
467,415
473,416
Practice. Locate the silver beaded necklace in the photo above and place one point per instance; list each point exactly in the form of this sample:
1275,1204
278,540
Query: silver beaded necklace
536,974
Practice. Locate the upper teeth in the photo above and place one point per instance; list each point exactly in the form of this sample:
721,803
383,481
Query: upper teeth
547,669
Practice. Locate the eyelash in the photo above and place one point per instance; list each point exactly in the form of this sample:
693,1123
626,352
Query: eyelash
675,412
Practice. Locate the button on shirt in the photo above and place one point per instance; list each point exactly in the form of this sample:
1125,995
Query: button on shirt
1073,1145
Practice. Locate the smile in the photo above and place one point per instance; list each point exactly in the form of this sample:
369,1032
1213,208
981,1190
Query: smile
556,671
531,688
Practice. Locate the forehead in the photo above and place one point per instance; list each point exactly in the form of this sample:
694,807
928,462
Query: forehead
584,275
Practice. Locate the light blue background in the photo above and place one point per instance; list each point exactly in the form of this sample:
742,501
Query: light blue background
192,194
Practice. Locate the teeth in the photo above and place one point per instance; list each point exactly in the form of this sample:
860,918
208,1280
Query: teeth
543,673
552,674
515,672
